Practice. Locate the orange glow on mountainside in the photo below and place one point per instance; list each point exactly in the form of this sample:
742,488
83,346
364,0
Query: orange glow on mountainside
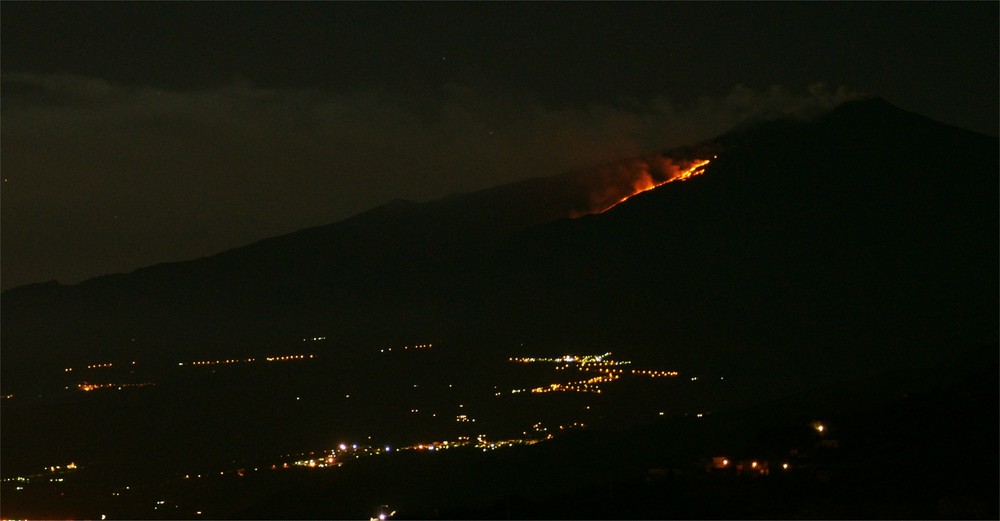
645,181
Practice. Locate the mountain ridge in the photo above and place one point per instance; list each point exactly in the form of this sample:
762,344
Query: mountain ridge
867,107
807,195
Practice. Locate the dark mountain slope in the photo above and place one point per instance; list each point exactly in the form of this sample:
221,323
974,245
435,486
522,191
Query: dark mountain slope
867,236
378,276
865,239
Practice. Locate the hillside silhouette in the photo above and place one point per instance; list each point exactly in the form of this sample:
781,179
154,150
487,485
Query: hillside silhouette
864,238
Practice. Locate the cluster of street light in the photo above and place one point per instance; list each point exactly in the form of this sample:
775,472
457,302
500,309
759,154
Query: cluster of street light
335,457
228,361
221,362
47,475
566,359
590,385
585,363
406,348
654,374
86,387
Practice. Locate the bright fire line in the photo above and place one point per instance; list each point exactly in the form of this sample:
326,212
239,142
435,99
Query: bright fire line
696,168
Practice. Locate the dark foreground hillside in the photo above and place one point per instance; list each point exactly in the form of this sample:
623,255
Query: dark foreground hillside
926,454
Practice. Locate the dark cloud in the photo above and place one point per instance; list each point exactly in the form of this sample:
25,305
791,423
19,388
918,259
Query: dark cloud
106,178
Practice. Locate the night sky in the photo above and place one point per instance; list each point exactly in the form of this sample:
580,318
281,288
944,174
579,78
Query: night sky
137,133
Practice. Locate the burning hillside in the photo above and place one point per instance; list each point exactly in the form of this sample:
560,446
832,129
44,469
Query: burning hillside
616,183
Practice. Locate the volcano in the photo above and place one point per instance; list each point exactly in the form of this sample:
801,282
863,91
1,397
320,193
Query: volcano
784,270
866,237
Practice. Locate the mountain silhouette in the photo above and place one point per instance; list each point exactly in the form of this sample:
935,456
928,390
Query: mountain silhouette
862,239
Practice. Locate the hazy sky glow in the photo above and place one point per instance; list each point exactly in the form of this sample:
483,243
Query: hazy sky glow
142,133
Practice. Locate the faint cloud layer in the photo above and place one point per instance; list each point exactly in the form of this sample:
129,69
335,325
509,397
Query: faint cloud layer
106,178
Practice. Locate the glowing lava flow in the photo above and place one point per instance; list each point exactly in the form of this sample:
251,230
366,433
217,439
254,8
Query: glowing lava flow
647,183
